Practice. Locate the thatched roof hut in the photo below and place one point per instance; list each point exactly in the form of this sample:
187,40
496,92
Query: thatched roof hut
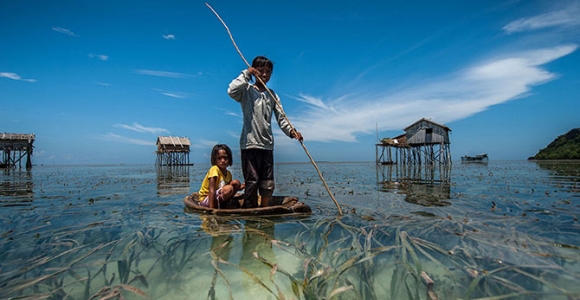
172,150
16,141
167,144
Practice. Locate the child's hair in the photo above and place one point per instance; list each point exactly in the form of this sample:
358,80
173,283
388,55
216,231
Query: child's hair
262,61
216,149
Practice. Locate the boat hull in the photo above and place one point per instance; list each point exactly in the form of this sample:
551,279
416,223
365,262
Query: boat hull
478,158
280,205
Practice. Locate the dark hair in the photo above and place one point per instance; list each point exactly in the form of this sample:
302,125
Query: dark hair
262,61
216,149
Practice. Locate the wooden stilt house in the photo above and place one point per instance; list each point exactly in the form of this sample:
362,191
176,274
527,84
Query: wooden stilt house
173,151
424,142
15,147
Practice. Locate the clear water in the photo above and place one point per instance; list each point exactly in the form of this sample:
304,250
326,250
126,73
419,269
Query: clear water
503,230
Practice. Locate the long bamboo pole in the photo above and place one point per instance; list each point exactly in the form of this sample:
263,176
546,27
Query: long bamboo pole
281,109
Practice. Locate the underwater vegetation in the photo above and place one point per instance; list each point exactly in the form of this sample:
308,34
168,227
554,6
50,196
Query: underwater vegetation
504,232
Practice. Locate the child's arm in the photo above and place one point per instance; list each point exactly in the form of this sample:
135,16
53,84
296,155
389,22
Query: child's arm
237,185
284,123
239,84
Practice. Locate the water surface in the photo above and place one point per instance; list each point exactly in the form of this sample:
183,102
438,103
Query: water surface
503,230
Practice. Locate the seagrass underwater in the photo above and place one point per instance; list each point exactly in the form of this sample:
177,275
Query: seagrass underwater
501,229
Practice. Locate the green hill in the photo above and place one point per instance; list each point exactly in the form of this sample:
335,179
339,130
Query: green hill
566,146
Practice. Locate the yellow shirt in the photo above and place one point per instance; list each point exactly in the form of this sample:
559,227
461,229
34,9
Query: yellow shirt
221,180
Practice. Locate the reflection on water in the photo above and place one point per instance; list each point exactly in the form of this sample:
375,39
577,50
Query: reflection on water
16,187
172,180
414,172
106,231
565,172
424,185
428,194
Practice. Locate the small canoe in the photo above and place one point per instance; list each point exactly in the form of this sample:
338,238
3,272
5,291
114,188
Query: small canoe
279,205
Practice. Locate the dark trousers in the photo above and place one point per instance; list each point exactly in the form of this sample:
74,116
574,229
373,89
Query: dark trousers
258,170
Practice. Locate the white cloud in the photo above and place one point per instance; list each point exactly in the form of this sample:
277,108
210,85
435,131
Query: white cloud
178,95
313,101
564,17
233,114
228,112
122,139
140,128
233,134
173,95
99,56
169,36
15,76
64,31
161,73
10,75
203,144
455,97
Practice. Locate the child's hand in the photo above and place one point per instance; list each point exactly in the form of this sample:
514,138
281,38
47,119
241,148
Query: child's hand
254,71
297,135
237,185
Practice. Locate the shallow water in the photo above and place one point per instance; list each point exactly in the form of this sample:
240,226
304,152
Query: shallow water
507,228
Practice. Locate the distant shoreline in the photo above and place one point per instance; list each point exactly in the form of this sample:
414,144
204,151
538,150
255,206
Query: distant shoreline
554,159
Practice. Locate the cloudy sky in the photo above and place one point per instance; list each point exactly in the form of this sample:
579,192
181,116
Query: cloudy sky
99,81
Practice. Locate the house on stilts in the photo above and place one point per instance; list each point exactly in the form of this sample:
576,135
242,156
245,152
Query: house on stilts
424,142
14,147
173,151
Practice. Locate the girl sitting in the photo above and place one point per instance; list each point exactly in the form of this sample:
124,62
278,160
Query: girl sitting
218,187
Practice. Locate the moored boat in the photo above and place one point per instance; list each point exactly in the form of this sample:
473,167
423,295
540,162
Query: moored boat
279,205
478,158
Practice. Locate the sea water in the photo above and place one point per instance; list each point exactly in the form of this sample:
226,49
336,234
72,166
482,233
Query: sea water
506,229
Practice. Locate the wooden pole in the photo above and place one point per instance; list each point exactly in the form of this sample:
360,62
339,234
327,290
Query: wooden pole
280,106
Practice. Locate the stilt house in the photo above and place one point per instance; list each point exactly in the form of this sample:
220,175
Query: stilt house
425,132
15,147
424,141
172,151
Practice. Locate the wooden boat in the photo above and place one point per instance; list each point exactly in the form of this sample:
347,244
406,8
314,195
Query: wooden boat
279,205
478,158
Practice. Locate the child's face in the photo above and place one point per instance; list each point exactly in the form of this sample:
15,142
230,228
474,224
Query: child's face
222,159
265,73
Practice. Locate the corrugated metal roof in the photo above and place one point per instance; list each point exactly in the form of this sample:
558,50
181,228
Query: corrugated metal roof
427,120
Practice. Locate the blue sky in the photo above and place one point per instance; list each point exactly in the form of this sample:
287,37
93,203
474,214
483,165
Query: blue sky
98,81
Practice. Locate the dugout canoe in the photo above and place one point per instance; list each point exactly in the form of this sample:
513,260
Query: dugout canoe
279,205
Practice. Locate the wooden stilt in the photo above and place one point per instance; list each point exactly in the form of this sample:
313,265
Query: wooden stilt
14,147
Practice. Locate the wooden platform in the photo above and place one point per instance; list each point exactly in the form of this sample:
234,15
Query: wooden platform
14,147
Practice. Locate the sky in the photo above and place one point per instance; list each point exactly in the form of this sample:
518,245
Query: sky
98,81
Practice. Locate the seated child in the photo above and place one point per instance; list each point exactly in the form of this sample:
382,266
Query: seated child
218,187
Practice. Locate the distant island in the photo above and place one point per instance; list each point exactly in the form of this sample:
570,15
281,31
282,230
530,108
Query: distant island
566,146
